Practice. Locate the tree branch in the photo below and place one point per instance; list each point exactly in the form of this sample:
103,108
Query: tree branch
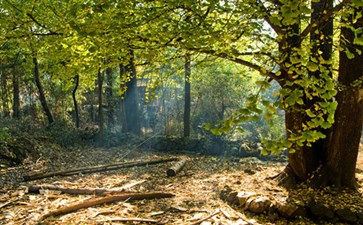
313,26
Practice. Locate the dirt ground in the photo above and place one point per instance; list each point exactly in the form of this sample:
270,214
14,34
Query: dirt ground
197,189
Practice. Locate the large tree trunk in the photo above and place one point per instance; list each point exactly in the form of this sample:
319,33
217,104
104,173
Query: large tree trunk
345,138
187,97
338,152
131,104
42,98
76,114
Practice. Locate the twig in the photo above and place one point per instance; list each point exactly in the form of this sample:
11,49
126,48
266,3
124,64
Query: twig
128,220
204,219
5,204
87,191
127,186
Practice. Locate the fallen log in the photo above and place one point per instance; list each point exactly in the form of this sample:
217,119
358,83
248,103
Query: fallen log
177,167
79,191
94,169
103,200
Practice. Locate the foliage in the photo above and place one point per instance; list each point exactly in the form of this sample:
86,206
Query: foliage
4,134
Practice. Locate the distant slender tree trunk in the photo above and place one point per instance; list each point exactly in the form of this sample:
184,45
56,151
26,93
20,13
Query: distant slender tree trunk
42,98
131,101
100,100
16,95
109,96
187,97
76,113
4,94
123,75
92,108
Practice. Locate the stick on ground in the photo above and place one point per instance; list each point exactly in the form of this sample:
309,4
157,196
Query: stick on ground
103,200
85,191
204,219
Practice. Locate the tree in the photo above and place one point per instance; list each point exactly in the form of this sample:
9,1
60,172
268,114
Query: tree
109,97
130,99
100,100
75,103
187,99
307,97
346,131
42,98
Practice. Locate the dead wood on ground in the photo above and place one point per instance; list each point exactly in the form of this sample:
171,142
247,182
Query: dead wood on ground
94,169
177,167
79,191
103,200
204,219
129,220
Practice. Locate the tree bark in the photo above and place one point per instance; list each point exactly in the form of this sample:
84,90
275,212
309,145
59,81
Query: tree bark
4,94
176,168
76,114
346,135
131,101
109,97
187,98
122,76
42,98
337,154
16,95
100,100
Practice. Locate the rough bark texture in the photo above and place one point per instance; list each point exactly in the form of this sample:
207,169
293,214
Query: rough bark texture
42,98
187,97
75,104
345,138
338,152
177,167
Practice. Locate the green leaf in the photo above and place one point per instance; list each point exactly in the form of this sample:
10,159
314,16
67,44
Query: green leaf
310,113
358,41
312,66
358,3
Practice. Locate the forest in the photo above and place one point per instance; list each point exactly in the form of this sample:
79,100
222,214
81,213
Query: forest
181,112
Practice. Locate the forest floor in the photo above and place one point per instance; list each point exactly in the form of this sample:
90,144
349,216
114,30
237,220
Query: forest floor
197,189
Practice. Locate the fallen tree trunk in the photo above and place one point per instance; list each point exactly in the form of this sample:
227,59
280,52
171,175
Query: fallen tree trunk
177,167
94,169
85,191
103,200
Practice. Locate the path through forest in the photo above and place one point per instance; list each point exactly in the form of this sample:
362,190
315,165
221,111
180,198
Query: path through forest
197,189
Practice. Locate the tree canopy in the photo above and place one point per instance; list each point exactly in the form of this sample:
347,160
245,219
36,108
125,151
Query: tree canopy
285,41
